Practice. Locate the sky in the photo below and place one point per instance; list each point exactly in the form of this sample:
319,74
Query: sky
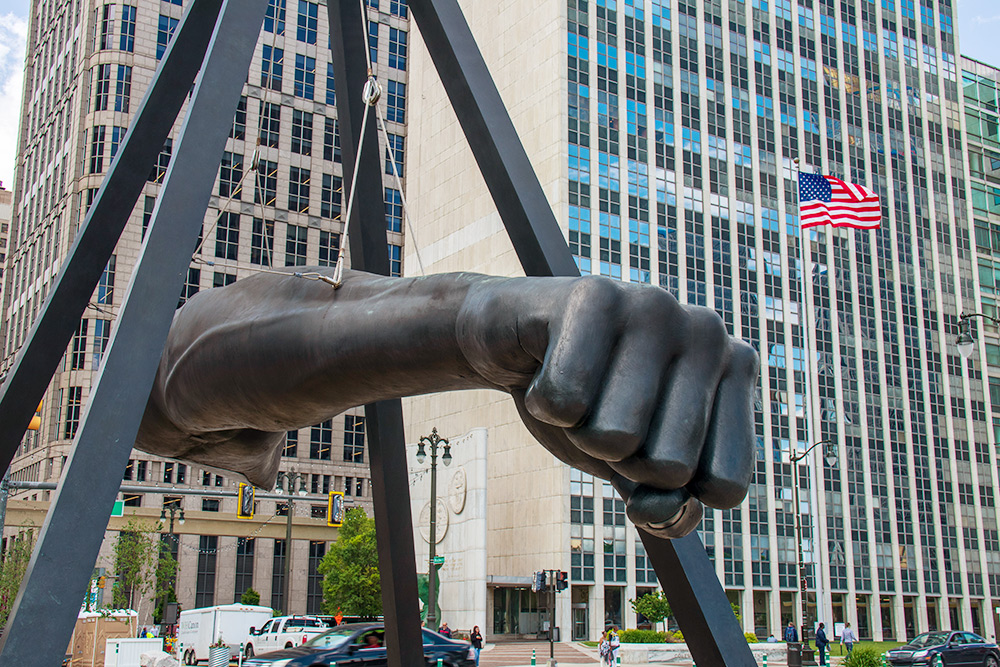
978,23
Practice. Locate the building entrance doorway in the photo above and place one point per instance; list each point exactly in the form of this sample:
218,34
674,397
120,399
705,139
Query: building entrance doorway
888,627
516,611
580,623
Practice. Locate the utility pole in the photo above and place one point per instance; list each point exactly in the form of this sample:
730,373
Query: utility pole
433,440
289,479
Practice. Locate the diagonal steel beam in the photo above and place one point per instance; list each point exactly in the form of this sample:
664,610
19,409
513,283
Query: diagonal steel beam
369,252
46,608
682,566
72,289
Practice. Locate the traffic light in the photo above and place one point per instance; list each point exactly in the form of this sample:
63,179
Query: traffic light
244,508
538,583
562,581
335,509
101,582
36,420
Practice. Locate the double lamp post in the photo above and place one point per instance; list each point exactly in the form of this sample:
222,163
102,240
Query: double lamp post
433,441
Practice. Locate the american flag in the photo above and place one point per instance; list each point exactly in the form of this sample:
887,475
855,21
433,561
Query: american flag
825,200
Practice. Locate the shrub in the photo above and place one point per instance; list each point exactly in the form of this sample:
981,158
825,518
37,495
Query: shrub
863,656
678,636
250,596
642,637
751,637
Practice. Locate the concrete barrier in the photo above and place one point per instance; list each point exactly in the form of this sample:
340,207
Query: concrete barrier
678,654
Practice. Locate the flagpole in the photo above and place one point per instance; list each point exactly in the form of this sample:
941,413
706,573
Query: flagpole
810,414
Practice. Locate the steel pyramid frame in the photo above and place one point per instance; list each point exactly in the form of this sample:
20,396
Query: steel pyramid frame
212,49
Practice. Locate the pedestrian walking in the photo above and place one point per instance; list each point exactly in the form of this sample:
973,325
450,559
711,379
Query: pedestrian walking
614,643
604,648
821,643
848,638
445,630
791,634
477,641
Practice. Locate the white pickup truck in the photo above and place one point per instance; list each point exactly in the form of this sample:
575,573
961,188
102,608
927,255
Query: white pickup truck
282,632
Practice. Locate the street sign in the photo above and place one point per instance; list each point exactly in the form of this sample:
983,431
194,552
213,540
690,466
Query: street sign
439,560
119,508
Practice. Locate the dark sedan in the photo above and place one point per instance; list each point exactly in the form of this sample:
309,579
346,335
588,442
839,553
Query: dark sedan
946,649
362,645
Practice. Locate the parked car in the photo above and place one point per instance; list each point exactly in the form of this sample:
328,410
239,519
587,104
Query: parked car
282,632
356,644
946,649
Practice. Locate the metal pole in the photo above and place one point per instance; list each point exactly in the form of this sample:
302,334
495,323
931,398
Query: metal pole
288,559
71,537
432,552
4,494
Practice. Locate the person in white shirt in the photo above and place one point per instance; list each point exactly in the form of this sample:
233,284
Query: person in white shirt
848,638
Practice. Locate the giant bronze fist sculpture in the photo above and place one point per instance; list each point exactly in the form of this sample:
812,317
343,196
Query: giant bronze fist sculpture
617,380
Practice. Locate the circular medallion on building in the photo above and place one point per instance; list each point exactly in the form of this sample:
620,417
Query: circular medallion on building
457,491
442,522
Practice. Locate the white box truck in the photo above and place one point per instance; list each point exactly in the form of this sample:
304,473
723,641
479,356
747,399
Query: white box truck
198,628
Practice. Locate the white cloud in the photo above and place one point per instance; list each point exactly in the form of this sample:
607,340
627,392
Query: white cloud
981,20
13,33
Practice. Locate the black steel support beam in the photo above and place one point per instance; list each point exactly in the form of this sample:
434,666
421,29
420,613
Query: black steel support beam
46,608
72,289
682,566
369,252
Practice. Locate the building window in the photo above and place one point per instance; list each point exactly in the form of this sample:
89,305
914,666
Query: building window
168,474
78,357
274,20
103,88
398,8
331,91
305,76
261,242
245,548
278,576
117,135
123,89
107,26
162,162
397,48
329,248
149,203
266,190
393,210
314,584
395,108
239,130
394,152
270,124
221,279
348,486
141,469
321,441
106,285
354,438
206,478
204,595
230,175
126,41
291,448
129,470
331,141
102,334
298,191
97,149
210,504
395,260
296,243
373,41
191,285
330,196
306,29
302,132
227,236
272,67
164,31
74,401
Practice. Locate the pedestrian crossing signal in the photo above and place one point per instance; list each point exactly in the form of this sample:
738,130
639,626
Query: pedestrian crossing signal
335,509
244,508
36,420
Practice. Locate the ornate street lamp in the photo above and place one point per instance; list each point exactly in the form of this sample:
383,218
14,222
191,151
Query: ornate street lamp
831,456
433,440
966,342
286,483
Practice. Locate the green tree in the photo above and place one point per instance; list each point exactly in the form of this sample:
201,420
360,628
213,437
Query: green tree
13,565
250,596
144,569
350,569
654,606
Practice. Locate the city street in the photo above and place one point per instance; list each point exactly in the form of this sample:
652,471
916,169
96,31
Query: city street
518,653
